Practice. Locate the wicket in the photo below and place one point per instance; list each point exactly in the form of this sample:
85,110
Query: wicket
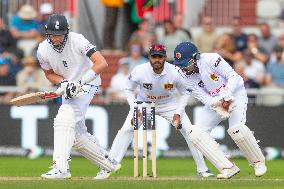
153,128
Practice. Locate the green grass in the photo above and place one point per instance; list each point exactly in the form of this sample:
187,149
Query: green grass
22,173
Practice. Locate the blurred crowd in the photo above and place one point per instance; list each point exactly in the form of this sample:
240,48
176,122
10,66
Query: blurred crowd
259,59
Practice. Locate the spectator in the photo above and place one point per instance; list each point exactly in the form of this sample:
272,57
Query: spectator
23,26
267,39
240,38
144,35
281,44
6,80
31,78
257,51
251,70
6,40
170,38
45,10
226,47
206,40
111,15
178,23
135,55
8,49
275,69
117,83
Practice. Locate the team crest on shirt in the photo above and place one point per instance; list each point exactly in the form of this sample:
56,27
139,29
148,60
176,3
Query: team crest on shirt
148,86
168,86
201,84
178,55
214,77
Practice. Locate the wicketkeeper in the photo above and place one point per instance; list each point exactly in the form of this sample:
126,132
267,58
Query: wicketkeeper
213,82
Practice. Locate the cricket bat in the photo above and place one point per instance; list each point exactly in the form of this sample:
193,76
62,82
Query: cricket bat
32,98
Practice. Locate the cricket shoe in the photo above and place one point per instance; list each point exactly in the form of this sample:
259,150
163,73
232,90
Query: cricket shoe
228,173
104,174
54,173
259,169
206,174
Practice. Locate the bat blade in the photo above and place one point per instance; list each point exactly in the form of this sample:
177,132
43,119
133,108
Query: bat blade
32,98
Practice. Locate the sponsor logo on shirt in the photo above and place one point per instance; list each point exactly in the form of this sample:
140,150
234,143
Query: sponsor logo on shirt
189,90
88,47
168,86
157,97
216,91
148,86
214,77
217,62
201,84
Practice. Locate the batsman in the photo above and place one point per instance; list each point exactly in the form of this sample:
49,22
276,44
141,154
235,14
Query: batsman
213,82
70,61
157,81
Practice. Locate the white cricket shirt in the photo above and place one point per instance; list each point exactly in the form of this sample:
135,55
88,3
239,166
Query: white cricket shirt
214,74
72,63
158,88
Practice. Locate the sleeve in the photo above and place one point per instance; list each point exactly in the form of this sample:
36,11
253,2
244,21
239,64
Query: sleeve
183,99
131,84
44,64
224,69
85,46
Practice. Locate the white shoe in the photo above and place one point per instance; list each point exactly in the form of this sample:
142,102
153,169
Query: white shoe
104,174
260,169
54,173
228,173
206,174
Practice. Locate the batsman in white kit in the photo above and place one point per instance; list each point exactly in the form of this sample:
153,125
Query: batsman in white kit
158,82
71,61
213,82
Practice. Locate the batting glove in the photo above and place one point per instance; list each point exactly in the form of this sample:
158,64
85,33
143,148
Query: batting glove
62,87
73,89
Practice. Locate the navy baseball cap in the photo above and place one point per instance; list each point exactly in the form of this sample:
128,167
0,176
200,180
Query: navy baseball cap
184,52
157,49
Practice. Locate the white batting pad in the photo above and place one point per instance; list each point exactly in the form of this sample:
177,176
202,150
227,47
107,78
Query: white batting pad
247,143
64,136
93,152
208,147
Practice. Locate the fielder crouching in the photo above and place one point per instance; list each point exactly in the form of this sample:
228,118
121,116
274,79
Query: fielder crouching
70,60
158,81
213,82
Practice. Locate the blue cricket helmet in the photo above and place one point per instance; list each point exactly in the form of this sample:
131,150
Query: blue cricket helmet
184,52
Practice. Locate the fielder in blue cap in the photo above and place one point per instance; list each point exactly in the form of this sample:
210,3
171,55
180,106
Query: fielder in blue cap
214,82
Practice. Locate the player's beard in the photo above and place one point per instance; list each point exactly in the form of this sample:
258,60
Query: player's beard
158,66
